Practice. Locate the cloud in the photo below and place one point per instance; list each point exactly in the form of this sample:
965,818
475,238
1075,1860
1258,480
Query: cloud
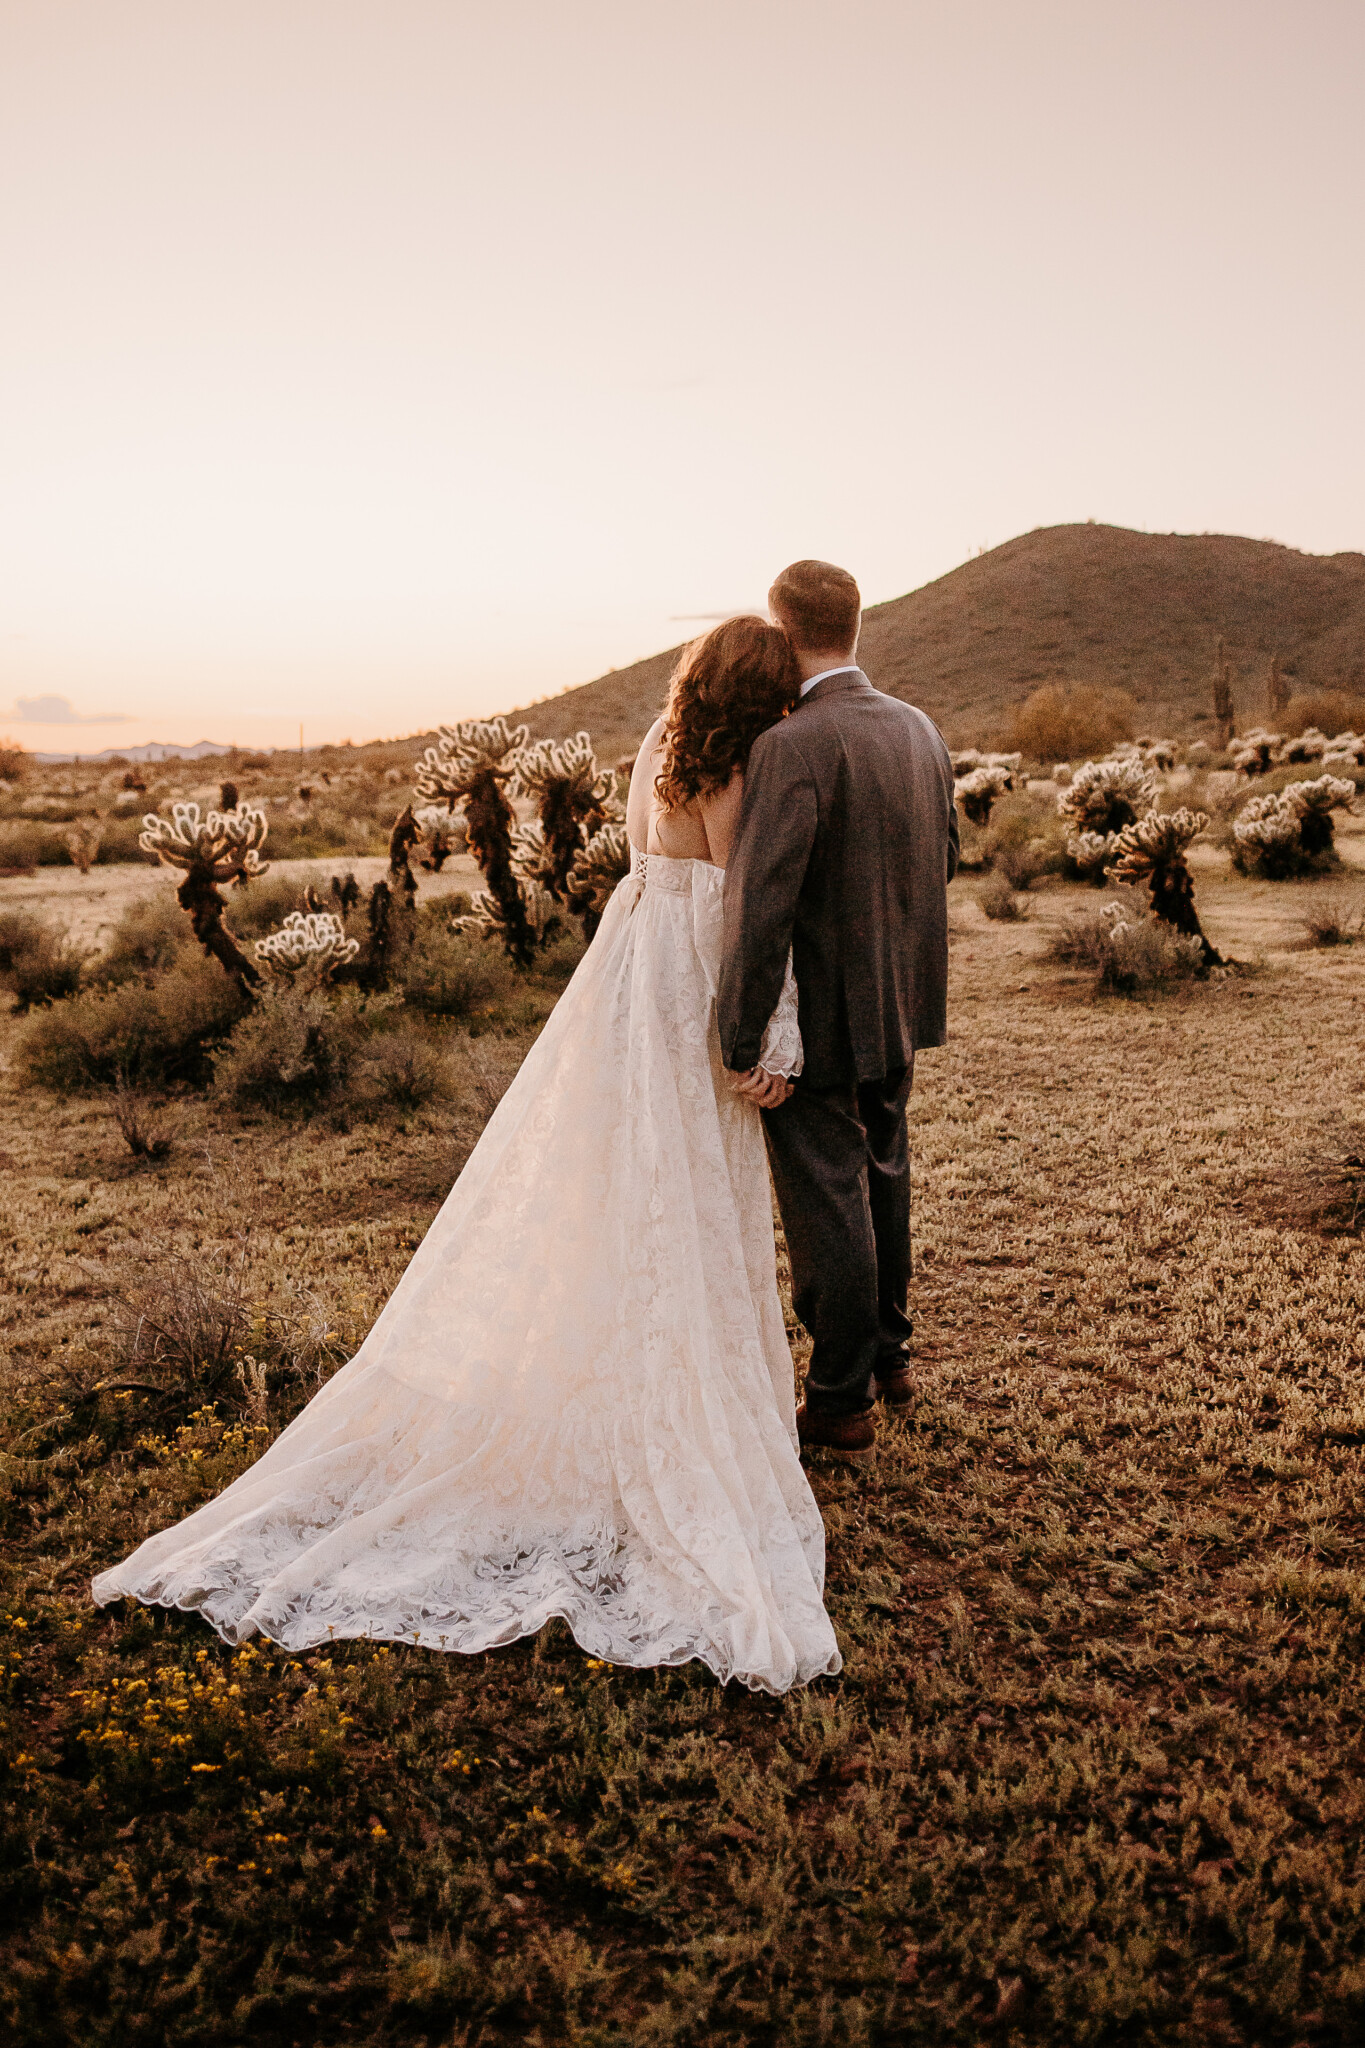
61,711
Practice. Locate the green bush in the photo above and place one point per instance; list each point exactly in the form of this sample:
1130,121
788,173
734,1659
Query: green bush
138,1033
296,1049
118,842
38,963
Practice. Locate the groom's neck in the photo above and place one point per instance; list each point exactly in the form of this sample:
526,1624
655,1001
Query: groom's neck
815,664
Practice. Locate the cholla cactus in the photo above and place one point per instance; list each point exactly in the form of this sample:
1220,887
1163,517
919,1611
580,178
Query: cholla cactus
225,843
1345,750
1104,796
603,862
312,944
1090,854
538,912
471,764
1152,850
1155,753
440,835
1309,745
1315,802
1291,831
83,841
968,759
570,793
219,846
1257,751
979,792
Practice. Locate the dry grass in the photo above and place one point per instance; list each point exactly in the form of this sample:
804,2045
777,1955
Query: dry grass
1092,1773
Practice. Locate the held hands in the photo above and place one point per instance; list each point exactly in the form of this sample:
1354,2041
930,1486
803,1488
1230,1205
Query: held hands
768,1091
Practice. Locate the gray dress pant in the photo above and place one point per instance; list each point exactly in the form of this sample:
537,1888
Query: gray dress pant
841,1166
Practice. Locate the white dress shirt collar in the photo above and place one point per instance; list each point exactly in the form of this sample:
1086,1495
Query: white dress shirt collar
845,668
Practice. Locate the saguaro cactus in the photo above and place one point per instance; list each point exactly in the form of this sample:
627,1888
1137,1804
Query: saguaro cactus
221,846
1152,850
1222,695
1276,691
472,764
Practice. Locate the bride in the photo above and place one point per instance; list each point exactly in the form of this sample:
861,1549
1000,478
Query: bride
579,1399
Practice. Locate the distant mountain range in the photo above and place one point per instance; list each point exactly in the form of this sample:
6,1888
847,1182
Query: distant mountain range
1080,604
153,751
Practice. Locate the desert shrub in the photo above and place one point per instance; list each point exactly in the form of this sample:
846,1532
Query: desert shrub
1334,921
14,761
140,1034
1060,721
404,1069
263,904
1024,839
999,899
296,1049
1130,952
1331,711
453,973
1290,832
24,846
38,963
151,934
119,841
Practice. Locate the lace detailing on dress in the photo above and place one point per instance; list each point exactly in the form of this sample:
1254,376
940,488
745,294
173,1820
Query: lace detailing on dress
579,1400
781,1051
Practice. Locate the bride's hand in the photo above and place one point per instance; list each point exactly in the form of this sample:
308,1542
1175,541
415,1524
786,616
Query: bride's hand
768,1091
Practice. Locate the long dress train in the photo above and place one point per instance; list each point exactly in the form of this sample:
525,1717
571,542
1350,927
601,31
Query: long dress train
579,1399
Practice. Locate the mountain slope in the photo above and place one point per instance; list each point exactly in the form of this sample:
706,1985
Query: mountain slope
1089,604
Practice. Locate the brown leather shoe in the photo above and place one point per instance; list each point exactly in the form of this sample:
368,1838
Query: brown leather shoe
896,1389
843,1436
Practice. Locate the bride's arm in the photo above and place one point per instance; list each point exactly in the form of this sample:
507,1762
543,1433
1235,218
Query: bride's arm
720,816
640,800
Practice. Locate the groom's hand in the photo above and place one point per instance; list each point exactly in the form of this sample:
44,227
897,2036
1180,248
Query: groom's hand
769,1091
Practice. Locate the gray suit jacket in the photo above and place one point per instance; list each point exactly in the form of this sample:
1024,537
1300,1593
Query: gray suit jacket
846,844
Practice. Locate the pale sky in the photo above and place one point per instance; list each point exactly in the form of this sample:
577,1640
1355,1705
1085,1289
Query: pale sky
377,362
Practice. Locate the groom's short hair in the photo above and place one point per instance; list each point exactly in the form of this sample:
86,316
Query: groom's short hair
818,604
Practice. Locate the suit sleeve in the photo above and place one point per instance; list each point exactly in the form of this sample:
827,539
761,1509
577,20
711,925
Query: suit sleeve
954,839
773,841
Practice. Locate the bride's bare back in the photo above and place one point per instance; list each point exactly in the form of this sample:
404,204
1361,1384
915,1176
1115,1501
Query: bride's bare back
702,830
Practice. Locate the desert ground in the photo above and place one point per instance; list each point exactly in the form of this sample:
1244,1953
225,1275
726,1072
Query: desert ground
1092,1770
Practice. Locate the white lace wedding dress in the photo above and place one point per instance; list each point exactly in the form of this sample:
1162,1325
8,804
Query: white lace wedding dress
579,1399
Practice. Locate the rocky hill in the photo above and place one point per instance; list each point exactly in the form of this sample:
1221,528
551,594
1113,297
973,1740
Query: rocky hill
1085,604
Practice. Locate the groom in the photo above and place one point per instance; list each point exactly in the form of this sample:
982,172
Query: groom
846,843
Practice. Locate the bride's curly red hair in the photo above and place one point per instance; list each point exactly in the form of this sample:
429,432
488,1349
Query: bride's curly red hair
730,686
